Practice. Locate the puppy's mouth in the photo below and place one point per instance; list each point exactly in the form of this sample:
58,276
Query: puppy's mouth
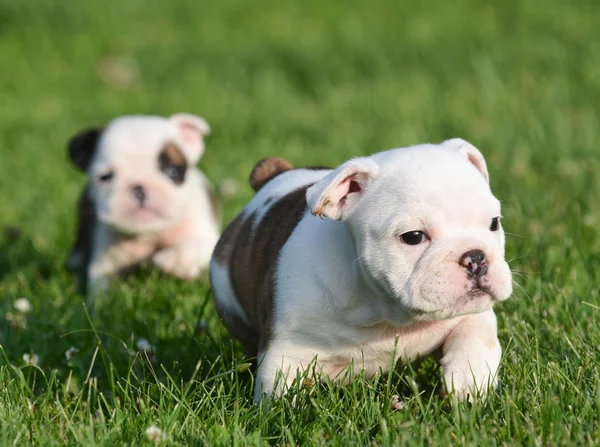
476,299
143,212
479,291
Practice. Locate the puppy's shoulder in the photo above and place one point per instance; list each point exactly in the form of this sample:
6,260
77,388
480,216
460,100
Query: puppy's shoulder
280,184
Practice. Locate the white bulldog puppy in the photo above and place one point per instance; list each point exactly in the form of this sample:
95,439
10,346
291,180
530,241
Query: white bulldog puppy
145,198
405,259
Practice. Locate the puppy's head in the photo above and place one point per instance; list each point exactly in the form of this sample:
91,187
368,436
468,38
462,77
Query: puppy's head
138,168
426,225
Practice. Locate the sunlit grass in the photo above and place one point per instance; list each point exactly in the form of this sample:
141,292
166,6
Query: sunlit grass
315,82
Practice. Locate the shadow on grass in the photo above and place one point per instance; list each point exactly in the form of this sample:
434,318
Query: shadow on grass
19,255
105,347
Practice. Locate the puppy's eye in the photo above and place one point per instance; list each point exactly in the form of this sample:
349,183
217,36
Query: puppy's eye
106,177
174,172
413,237
495,224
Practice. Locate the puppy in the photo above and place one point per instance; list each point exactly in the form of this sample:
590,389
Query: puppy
145,199
404,258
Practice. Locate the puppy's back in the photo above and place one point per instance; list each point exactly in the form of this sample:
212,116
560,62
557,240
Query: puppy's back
245,258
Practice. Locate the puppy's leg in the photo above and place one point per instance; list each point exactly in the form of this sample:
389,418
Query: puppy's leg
471,356
101,265
184,260
111,255
279,366
99,272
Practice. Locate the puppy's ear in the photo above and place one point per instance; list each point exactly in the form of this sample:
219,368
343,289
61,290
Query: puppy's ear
192,129
336,194
83,146
472,154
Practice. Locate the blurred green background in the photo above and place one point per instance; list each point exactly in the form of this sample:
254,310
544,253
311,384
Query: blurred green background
316,82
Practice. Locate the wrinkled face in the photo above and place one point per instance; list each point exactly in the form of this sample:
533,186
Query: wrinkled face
428,233
138,175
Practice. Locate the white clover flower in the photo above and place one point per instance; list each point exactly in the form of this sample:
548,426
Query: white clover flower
31,359
144,345
155,434
23,305
70,353
397,404
16,320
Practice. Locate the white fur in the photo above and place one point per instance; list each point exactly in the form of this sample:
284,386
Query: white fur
278,187
177,228
349,293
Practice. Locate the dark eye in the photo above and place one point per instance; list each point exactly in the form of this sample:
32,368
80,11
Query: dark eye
174,172
495,224
413,237
106,177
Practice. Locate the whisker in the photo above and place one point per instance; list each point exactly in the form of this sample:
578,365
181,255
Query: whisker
514,234
530,272
522,289
514,297
518,257
356,260
523,275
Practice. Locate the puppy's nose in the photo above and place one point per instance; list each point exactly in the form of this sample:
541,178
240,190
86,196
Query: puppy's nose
475,263
139,193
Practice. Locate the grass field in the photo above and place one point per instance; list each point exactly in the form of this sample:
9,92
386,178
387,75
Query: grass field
316,82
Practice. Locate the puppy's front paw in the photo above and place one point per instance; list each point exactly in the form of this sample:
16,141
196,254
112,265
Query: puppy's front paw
178,261
470,374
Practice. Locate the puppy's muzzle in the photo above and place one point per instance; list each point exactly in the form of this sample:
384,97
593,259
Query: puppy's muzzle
139,193
475,263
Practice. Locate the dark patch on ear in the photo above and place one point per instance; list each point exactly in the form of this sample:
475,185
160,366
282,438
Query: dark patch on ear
173,163
267,169
83,146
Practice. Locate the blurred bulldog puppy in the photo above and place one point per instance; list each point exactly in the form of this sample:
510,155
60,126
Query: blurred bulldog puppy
404,258
145,199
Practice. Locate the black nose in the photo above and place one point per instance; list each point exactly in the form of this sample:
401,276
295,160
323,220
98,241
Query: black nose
139,193
475,263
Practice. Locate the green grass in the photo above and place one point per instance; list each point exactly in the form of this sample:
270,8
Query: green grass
316,82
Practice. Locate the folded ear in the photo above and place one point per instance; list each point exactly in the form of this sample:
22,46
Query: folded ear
472,154
336,194
82,147
192,129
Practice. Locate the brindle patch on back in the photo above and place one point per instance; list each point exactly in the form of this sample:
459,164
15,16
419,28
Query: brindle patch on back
250,257
173,163
224,255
